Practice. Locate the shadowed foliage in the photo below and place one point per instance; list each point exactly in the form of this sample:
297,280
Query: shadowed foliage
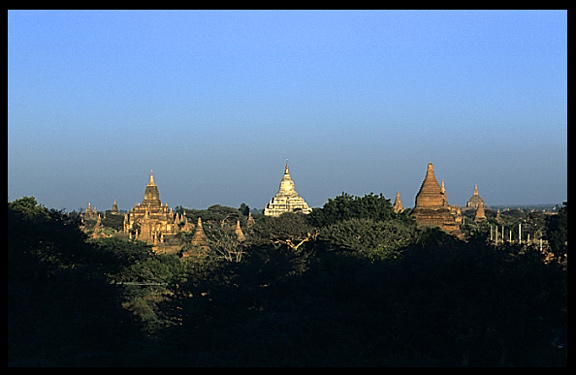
359,292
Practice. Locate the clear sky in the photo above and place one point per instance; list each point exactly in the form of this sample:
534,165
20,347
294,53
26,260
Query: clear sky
216,101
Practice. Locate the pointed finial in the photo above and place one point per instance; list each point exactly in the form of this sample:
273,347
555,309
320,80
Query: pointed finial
151,177
286,171
430,172
475,189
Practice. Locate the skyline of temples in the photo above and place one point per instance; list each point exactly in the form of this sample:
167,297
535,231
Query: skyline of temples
279,201
287,185
154,222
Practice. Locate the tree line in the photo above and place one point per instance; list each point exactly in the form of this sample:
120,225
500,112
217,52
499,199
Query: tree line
350,284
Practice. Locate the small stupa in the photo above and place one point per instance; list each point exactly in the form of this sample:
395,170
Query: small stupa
199,238
238,231
398,207
480,214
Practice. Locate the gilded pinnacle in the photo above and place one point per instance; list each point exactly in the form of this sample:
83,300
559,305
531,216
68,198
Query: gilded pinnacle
151,178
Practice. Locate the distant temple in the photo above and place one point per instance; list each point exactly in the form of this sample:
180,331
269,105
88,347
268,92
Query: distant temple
474,200
431,207
151,221
115,210
90,214
286,199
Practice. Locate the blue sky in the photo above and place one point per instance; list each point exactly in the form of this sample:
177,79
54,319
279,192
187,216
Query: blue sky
216,101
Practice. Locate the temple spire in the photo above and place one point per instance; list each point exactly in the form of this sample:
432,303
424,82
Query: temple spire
151,193
286,184
430,180
430,169
430,193
475,189
151,178
443,192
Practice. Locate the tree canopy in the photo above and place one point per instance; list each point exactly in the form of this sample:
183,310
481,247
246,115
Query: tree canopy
346,206
341,288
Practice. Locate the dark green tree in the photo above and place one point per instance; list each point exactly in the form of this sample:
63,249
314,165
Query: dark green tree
244,209
62,309
29,209
374,239
120,254
346,206
289,229
114,222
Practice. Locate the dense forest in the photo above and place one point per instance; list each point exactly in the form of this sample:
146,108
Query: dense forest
350,284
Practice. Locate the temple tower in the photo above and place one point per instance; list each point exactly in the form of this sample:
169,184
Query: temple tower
431,205
286,199
151,221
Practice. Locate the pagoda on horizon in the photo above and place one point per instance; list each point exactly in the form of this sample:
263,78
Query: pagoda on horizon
152,221
286,199
431,207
